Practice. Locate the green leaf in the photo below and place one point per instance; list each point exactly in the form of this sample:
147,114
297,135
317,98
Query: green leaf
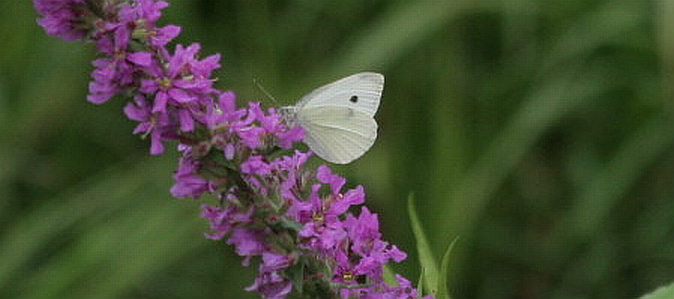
389,276
428,264
420,285
296,274
666,292
444,268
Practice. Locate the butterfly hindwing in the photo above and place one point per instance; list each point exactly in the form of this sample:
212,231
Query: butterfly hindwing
338,134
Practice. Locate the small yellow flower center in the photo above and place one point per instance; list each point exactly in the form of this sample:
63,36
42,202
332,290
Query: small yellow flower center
120,55
317,217
165,83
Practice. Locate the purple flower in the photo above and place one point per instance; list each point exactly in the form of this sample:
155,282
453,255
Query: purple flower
181,84
147,10
269,125
224,112
159,37
166,82
188,182
293,182
325,176
116,71
274,261
247,243
256,165
65,19
364,256
329,209
254,168
271,286
218,218
150,124
250,134
287,138
365,236
142,18
321,225
224,219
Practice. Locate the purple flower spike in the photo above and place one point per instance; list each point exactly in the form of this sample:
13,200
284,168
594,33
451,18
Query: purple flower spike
270,207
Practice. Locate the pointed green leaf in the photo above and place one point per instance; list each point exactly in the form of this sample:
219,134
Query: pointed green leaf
666,292
444,269
428,264
420,285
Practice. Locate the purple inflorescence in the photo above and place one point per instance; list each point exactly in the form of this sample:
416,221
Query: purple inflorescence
296,220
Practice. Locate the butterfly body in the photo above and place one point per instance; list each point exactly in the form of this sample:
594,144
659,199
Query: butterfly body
338,118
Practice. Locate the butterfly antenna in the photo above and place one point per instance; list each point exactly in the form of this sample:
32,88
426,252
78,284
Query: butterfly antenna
266,93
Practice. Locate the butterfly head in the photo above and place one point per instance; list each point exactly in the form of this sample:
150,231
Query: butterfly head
289,114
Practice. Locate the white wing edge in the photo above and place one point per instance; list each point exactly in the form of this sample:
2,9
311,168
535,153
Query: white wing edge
377,79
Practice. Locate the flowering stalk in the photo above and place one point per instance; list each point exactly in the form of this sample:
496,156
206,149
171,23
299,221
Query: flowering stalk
295,219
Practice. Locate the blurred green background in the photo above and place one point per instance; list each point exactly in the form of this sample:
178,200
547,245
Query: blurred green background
540,132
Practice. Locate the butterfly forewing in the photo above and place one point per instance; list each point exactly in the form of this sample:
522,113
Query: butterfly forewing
360,92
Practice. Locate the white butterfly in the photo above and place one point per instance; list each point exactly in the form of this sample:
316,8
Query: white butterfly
338,118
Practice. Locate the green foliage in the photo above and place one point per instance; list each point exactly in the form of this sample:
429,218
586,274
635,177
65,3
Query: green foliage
420,286
665,292
443,292
430,276
540,132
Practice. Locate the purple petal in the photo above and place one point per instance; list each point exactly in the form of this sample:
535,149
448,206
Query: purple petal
255,165
98,98
352,197
122,36
227,101
273,261
140,58
396,254
156,147
229,151
148,86
287,138
325,176
186,121
160,102
180,95
141,128
133,112
165,35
